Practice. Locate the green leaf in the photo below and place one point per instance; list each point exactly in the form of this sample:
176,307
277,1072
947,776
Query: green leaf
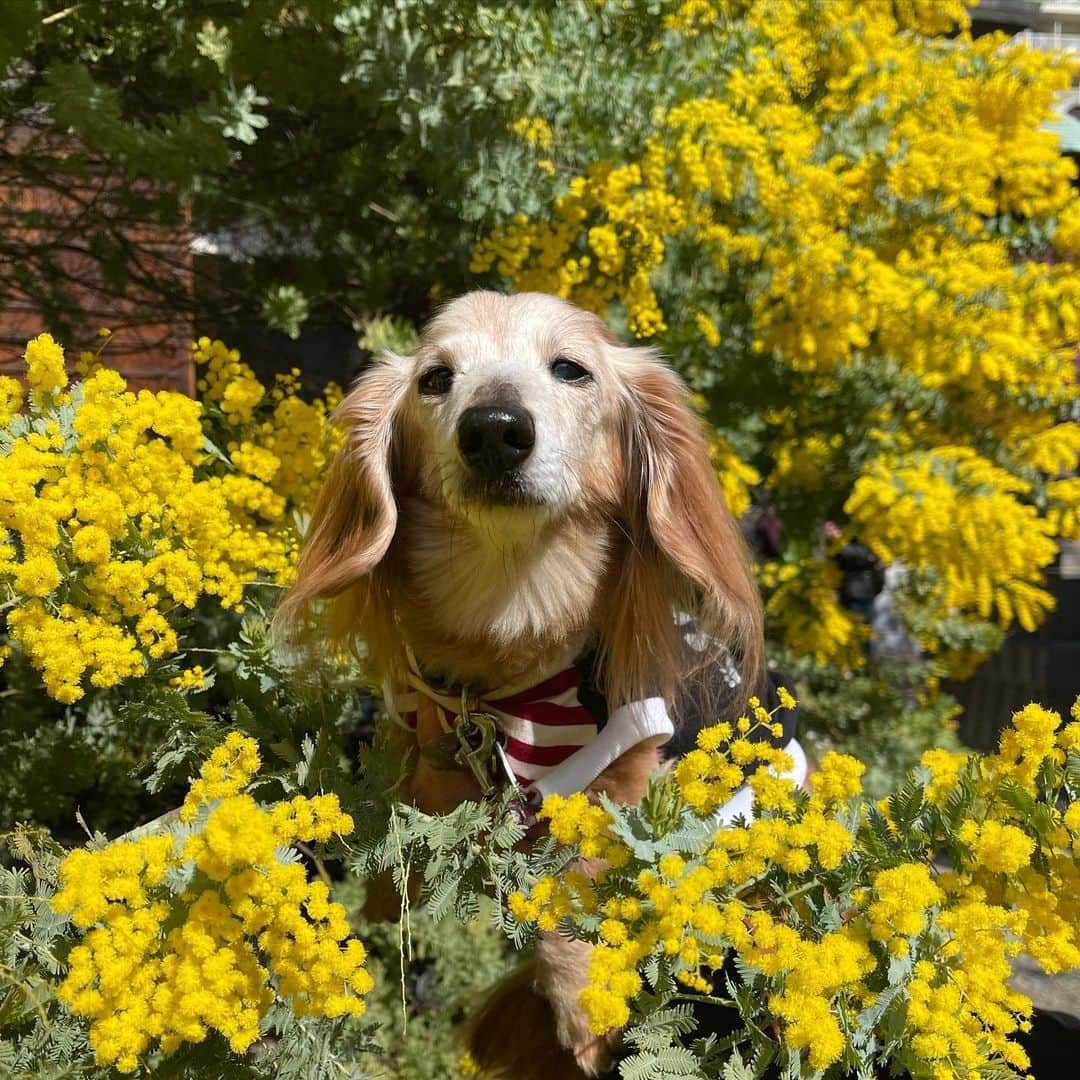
285,308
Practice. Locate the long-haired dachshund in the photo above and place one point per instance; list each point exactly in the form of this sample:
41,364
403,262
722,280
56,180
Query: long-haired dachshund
523,521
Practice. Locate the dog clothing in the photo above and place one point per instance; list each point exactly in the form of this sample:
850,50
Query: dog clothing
559,734
542,725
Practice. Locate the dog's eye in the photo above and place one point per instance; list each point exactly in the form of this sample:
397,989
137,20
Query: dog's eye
567,371
435,382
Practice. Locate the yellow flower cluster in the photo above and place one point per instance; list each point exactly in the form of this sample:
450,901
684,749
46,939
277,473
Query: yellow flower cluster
863,223
157,966
804,465
1001,849
11,398
708,776
1063,515
816,973
693,16
45,365
803,606
279,443
903,895
575,820
952,512
552,899
670,907
953,1030
620,253
535,130
993,904
193,678
736,477
747,887
113,516
226,772
944,767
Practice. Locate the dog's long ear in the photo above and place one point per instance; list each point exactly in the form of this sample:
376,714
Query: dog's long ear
686,555
355,514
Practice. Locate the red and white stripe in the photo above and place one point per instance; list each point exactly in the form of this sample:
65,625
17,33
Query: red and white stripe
542,725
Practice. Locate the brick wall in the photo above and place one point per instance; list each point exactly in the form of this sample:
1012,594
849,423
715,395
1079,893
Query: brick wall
151,351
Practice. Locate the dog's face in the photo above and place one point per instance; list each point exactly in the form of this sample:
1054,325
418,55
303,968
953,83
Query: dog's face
512,407
495,477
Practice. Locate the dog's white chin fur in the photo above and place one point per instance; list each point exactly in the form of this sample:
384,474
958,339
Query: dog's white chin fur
547,490
505,574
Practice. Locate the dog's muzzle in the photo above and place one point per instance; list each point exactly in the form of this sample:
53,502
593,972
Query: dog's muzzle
495,441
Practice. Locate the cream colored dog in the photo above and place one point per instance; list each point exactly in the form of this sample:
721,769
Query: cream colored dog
523,491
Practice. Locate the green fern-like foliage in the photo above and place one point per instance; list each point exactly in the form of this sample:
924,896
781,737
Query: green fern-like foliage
38,1038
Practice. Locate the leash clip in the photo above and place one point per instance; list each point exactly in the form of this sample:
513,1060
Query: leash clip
472,742
477,742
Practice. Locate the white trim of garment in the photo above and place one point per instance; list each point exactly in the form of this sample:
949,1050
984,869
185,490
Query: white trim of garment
627,726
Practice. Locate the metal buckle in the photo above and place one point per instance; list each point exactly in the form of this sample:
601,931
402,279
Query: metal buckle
473,743
476,734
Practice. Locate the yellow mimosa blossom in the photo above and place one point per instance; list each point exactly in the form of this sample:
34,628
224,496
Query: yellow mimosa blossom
851,208
158,968
45,365
833,916
123,517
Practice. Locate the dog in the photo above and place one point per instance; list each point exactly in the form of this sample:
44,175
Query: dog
526,506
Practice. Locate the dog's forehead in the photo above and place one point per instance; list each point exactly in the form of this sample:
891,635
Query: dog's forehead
491,328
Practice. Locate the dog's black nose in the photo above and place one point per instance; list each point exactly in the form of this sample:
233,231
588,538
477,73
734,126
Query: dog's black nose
495,438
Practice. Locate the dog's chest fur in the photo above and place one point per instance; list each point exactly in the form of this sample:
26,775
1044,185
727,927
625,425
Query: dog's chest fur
485,603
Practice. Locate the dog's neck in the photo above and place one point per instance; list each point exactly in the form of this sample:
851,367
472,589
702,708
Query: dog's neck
490,600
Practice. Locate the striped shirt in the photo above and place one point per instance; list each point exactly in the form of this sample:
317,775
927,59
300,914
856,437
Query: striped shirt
542,725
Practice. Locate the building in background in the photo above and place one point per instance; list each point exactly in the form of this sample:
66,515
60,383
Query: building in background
1043,17
1050,25
111,268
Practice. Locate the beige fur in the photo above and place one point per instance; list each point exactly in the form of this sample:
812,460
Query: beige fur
621,524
